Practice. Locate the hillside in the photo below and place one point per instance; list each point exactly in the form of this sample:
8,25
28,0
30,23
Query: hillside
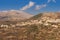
39,27
47,14
14,15
37,16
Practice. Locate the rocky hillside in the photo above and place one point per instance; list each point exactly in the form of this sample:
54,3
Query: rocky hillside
14,15
47,14
39,27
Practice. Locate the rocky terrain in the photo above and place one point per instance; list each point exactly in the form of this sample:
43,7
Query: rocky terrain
44,26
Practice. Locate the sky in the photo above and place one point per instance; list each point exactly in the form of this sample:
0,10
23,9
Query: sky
31,6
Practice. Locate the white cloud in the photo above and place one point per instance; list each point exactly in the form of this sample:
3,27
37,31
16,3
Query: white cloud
49,1
28,6
52,1
40,6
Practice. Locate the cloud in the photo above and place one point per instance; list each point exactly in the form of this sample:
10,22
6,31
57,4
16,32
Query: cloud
54,1
40,6
28,6
48,1
51,0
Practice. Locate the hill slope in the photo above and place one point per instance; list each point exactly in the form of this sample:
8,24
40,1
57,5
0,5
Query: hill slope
14,15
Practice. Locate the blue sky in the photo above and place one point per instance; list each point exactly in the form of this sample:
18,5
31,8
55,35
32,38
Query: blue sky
31,6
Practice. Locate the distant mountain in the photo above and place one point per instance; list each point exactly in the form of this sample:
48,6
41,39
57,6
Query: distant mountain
14,15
